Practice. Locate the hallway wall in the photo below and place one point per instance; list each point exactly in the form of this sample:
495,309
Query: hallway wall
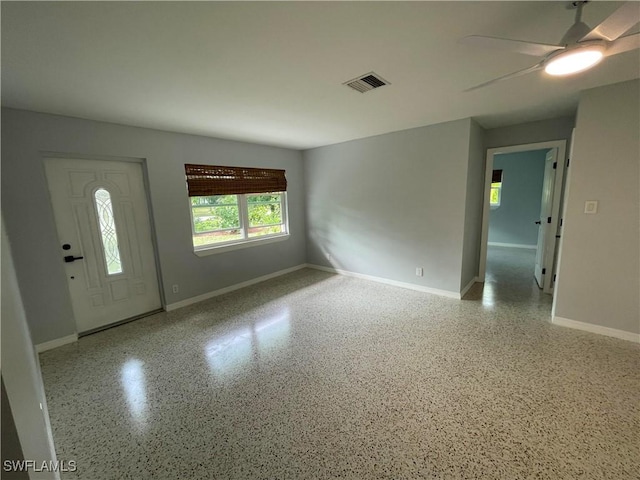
599,272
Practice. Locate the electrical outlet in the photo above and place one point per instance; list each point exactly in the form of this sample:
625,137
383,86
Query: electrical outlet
175,289
419,271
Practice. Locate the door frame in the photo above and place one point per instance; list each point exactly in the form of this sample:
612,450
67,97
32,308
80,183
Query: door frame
44,154
561,145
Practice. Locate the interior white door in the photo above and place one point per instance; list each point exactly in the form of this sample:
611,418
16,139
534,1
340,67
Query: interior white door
544,223
564,193
104,231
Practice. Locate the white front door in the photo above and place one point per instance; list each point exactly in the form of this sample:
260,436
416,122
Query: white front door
104,232
545,249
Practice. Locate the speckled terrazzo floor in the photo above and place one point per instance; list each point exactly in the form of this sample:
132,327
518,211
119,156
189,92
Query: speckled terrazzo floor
313,376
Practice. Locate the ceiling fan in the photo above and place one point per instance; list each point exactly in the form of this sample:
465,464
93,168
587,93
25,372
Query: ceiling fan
581,47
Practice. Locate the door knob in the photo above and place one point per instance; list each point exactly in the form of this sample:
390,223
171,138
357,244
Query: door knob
538,222
71,258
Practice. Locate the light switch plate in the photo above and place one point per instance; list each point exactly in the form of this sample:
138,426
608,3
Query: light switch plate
591,206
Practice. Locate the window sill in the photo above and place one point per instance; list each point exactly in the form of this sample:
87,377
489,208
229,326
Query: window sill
203,252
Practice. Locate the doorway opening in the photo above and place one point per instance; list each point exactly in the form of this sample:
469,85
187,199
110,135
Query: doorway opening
521,219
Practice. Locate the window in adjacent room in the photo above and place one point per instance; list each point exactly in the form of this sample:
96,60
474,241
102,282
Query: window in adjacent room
231,206
496,188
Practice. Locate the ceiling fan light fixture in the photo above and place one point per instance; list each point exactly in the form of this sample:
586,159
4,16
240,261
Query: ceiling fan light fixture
574,60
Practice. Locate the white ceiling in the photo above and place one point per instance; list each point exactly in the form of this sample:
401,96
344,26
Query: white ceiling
272,73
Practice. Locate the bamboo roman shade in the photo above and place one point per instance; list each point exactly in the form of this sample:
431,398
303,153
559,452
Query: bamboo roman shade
206,180
497,176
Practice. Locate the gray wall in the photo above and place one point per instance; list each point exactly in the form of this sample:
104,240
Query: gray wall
599,272
21,371
385,205
522,178
541,131
30,223
11,448
474,204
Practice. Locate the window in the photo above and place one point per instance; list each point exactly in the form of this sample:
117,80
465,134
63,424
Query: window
232,206
496,188
215,219
108,233
220,219
265,214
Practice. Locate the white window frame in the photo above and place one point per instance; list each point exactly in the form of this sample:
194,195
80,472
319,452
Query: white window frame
246,241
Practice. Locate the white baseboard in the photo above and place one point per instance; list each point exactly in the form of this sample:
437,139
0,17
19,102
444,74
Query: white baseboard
464,291
231,288
410,286
599,329
512,245
58,342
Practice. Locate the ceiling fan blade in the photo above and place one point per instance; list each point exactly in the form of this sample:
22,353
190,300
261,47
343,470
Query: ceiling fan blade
623,44
517,46
616,24
525,71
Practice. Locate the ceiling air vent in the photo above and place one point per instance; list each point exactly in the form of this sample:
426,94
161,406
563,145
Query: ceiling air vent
367,82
